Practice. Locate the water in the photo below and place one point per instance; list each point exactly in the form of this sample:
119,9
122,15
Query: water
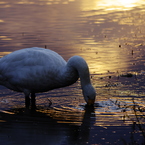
109,35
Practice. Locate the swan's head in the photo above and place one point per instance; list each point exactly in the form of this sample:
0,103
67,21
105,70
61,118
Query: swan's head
89,94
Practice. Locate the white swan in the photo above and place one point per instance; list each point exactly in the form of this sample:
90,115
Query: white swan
34,70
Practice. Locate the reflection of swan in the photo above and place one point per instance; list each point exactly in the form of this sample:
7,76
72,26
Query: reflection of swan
34,70
80,135
87,122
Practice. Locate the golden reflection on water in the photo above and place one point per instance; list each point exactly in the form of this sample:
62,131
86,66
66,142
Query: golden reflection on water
4,53
93,36
38,2
111,5
110,21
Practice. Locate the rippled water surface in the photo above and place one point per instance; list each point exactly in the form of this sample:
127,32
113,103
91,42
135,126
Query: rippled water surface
109,35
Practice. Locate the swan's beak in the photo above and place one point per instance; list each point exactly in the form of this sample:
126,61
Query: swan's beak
90,102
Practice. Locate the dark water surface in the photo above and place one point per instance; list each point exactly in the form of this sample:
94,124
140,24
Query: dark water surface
109,35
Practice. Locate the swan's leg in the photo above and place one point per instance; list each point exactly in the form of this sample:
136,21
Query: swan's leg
33,101
27,99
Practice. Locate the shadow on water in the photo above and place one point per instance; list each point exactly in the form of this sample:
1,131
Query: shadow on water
19,127
51,127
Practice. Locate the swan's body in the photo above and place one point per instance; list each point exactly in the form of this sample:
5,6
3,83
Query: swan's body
34,70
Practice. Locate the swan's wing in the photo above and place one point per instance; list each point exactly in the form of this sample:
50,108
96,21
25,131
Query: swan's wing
32,67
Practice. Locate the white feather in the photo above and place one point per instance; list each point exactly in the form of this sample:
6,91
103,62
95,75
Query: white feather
34,70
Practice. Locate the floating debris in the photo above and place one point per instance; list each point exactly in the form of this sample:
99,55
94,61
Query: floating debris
132,52
128,75
113,84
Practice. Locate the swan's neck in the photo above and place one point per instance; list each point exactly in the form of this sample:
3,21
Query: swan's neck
75,68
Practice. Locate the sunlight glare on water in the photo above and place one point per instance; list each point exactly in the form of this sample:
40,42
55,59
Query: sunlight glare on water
111,5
